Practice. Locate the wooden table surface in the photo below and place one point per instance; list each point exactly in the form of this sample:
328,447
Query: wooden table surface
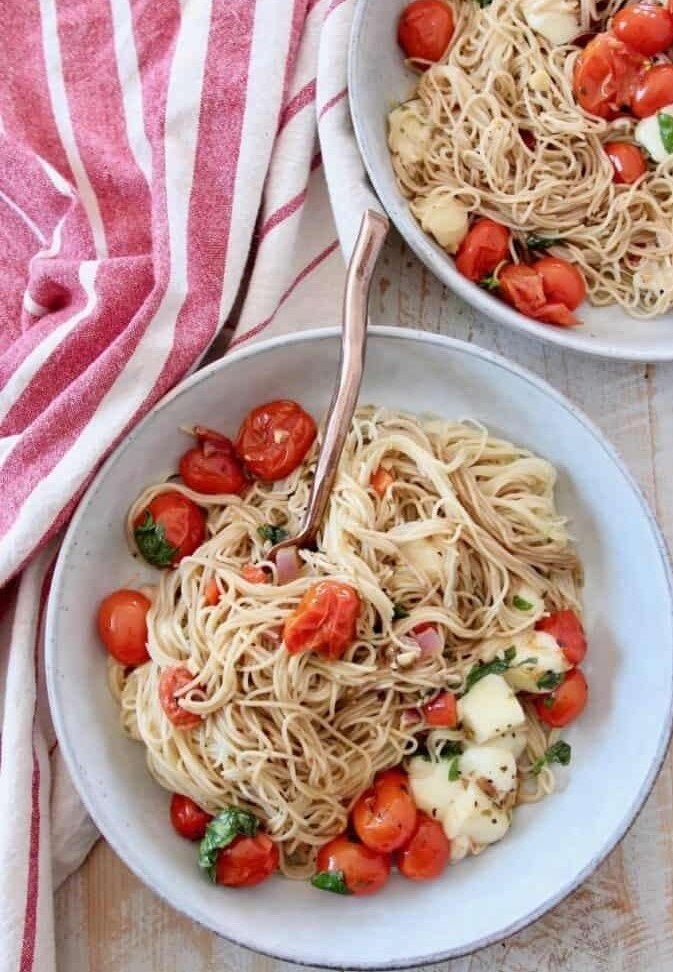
622,919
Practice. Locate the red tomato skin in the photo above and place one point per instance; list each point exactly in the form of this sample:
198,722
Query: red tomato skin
122,626
557,314
246,862
427,853
628,162
522,287
170,682
485,246
567,628
569,701
365,870
187,817
562,282
441,711
325,620
425,29
255,575
211,594
606,75
183,521
645,27
274,439
654,92
384,816
381,480
211,467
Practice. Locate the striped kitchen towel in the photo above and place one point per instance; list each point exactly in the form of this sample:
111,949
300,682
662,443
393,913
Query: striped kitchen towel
153,157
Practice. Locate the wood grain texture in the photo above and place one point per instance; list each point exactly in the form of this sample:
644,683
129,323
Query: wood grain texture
621,920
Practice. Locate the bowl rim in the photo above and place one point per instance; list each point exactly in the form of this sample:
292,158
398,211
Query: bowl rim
495,311
132,859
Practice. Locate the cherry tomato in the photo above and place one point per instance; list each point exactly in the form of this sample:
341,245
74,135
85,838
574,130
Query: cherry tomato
441,711
565,703
324,621
654,92
485,246
274,438
428,851
364,870
381,480
522,287
606,75
567,628
174,529
171,681
122,626
627,161
254,574
247,861
211,593
425,29
646,27
212,466
384,816
561,281
188,818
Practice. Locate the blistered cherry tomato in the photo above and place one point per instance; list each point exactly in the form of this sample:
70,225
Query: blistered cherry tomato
212,466
425,29
565,703
485,246
567,628
441,711
247,861
384,816
562,282
606,76
381,480
428,851
627,161
324,620
364,870
646,27
188,818
654,92
255,575
169,528
172,680
274,438
122,626
211,593
521,286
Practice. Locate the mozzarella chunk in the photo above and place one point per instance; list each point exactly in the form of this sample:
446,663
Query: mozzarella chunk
514,741
408,135
472,814
555,20
431,787
648,134
442,216
491,762
548,656
490,709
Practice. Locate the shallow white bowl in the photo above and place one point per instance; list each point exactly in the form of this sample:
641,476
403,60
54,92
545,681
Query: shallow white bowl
377,80
618,745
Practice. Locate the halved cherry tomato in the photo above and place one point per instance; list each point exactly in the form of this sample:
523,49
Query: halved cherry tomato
212,466
627,161
565,703
171,681
247,861
381,480
606,75
188,818
646,27
254,574
522,287
324,620
567,628
274,438
485,246
169,528
384,816
122,626
425,29
428,851
562,282
364,870
211,593
423,626
441,711
655,91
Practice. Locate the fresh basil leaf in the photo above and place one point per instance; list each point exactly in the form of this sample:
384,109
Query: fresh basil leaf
491,282
151,541
495,667
447,750
550,680
399,612
510,654
535,242
666,130
484,3
333,881
274,534
220,832
454,769
559,752
520,604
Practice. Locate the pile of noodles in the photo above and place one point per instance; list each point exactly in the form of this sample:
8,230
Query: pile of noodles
500,79
297,738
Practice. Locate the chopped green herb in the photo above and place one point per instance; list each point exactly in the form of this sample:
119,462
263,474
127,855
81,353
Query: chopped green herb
666,130
491,282
495,667
150,538
274,534
560,752
454,769
399,612
447,750
550,680
333,881
221,831
484,3
520,604
535,242
548,701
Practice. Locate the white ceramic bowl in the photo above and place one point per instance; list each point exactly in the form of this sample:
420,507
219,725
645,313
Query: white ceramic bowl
377,80
618,745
